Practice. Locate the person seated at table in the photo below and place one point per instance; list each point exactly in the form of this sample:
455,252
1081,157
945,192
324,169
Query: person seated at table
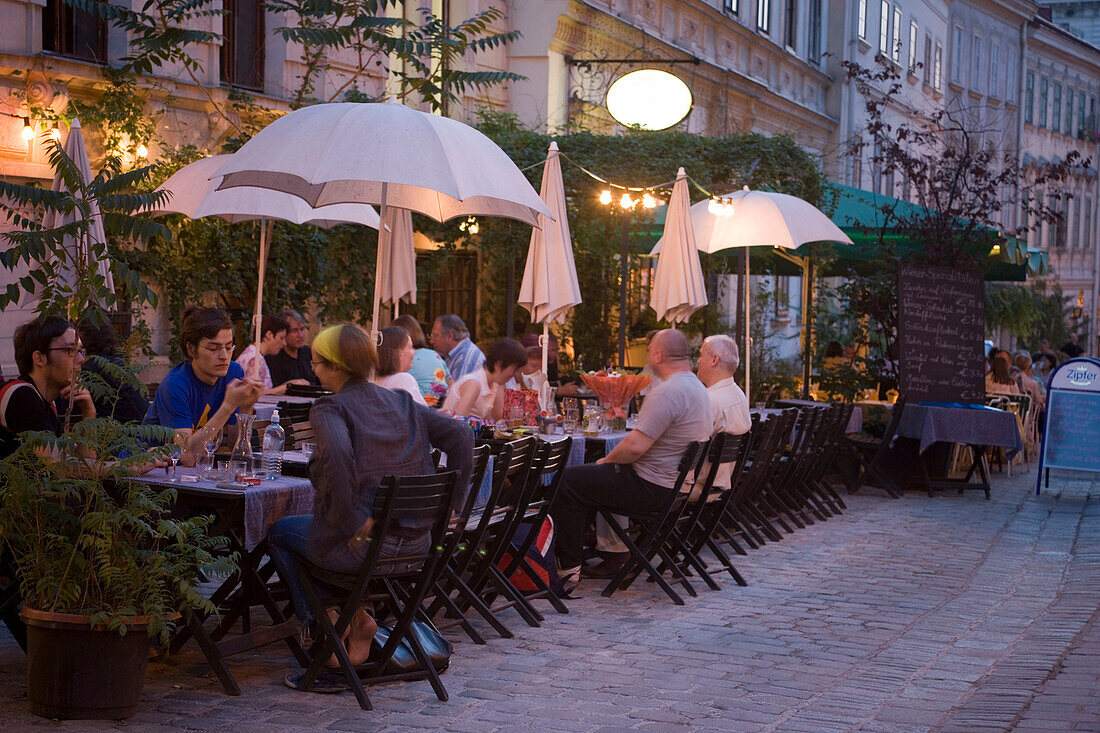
533,366
123,401
531,340
363,433
292,362
395,355
429,369
999,380
638,474
481,392
834,356
207,388
273,330
1026,383
451,339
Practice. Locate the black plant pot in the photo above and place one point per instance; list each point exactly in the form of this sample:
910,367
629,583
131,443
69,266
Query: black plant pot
75,672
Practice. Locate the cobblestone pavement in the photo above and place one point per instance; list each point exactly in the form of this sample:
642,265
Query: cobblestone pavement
952,614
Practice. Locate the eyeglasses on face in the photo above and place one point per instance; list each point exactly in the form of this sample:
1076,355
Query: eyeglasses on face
70,350
316,364
217,348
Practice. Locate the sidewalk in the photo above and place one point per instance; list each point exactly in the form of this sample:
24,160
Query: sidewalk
952,613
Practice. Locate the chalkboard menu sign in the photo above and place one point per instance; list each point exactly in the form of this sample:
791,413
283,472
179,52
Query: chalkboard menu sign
941,327
1072,434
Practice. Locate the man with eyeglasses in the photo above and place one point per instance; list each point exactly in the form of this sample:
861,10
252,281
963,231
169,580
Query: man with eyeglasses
292,363
48,354
207,388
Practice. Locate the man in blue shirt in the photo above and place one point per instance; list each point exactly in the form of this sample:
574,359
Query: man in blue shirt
452,340
206,389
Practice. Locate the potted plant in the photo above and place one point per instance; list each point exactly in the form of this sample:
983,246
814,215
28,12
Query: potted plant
103,565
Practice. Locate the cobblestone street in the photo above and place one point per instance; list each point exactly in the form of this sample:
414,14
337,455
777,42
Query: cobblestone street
951,613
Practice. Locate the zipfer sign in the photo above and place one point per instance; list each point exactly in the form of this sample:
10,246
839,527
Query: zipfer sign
1071,439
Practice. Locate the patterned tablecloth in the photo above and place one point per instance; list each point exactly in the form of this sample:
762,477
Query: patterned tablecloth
960,425
263,505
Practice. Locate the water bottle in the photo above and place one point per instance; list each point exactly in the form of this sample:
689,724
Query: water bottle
274,438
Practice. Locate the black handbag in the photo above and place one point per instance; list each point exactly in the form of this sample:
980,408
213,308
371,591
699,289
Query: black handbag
403,660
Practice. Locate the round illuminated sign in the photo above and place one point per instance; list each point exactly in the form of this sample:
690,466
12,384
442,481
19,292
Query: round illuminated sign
649,99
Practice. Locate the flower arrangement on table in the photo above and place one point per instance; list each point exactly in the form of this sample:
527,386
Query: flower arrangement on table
615,389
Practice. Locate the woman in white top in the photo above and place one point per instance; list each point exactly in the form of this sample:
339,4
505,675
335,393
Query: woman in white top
481,392
395,356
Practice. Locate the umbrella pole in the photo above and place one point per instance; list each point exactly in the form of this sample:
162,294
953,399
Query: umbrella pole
748,327
545,348
378,264
257,317
624,273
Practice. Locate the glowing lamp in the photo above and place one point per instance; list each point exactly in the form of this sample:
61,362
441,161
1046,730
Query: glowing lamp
605,197
28,130
626,202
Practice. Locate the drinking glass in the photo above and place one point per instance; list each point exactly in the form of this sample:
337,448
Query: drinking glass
211,440
175,450
308,448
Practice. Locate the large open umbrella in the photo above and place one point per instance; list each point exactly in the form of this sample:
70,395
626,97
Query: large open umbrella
678,287
549,288
385,154
78,250
193,191
748,218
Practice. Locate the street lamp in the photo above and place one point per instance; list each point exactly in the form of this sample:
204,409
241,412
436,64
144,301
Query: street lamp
626,204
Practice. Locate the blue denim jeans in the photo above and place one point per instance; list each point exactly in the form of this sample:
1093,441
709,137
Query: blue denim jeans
291,536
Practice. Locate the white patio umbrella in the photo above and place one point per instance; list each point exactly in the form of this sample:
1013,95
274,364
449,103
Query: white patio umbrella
678,287
385,154
194,193
748,218
549,288
397,262
74,148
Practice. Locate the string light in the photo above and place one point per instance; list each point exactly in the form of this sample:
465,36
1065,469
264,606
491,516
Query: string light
605,197
648,201
28,130
626,202
469,226
142,151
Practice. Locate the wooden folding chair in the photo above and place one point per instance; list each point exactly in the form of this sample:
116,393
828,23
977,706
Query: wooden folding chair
872,453
654,527
409,498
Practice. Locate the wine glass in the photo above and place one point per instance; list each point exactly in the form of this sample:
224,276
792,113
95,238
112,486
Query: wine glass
211,440
175,450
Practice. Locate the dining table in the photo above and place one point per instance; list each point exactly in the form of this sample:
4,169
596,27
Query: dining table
243,515
855,422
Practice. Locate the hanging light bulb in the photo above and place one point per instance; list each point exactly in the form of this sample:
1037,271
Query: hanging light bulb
626,202
728,208
141,151
714,208
28,130
472,227
648,201
55,133
605,197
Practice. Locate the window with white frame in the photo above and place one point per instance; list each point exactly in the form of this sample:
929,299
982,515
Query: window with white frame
976,64
937,67
914,35
957,56
995,69
1029,98
861,19
1044,97
813,32
1080,113
928,59
884,29
895,38
1056,108
790,25
732,7
1067,128
763,16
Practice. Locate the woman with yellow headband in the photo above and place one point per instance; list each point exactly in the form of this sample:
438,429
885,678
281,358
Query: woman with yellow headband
363,432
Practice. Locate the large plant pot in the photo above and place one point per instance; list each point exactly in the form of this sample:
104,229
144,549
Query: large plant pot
75,672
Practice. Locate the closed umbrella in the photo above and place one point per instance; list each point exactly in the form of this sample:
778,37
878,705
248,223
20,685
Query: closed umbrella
193,191
678,288
78,251
748,218
549,288
397,262
385,154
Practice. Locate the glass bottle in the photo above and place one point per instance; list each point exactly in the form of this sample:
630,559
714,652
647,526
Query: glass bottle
242,460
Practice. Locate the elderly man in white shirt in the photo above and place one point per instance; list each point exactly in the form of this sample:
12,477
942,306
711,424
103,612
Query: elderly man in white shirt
729,407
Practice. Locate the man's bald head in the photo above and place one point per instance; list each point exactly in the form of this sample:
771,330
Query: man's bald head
669,352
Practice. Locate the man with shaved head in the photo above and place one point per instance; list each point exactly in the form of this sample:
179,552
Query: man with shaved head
640,472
